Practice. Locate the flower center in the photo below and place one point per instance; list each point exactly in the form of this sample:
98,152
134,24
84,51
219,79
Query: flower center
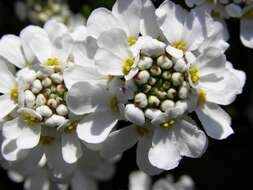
113,104
181,44
142,131
168,123
127,65
131,40
30,119
71,127
14,94
194,73
46,140
202,96
53,62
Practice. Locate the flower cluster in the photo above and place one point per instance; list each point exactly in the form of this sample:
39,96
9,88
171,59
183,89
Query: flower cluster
242,9
133,75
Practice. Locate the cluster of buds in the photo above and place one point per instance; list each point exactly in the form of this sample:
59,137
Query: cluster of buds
162,84
46,96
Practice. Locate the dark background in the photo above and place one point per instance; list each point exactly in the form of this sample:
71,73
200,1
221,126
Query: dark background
227,164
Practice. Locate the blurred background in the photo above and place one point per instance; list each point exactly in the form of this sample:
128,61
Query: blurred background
227,164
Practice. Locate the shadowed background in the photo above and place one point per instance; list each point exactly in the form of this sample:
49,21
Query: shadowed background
227,164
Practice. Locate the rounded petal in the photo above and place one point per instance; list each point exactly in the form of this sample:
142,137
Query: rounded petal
12,129
216,122
10,49
119,141
71,148
247,32
164,153
101,20
6,105
134,114
29,137
139,181
81,181
129,13
169,14
55,29
95,127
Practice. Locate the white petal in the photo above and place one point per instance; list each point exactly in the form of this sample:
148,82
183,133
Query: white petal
108,63
192,142
134,114
12,129
129,13
15,176
139,181
164,152
95,128
148,24
171,18
11,152
38,180
216,122
142,159
80,98
42,48
79,34
101,20
119,141
114,41
6,106
247,32
80,181
71,148
26,35
78,73
55,29
174,52
10,49
29,137
7,80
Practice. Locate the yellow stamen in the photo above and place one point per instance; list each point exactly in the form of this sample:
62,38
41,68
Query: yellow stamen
14,94
113,104
131,40
194,72
168,124
46,140
109,77
142,131
53,62
215,13
180,45
202,96
127,66
30,119
71,127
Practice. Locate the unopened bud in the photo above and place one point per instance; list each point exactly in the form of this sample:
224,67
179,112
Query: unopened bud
36,86
155,70
180,66
164,62
140,100
146,88
145,63
142,77
167,104
161,94
44,111
40,100
29,99
153,101
55,121
62,110
183,92
152,81
46,82
152,113
166,85
57,78
171,93
177,79
52,103
60,89
40,75
47,92
166,75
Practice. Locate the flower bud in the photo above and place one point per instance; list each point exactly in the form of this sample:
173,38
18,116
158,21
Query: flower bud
152,81
60,89
234,10
140,100
180,66
152,113
145,63
40,100
44,111
166,85
142,77
27,75
153,101
52,103
46,82
177,79
57,78
164,62
166,75
183,92
146,88
161,94
181,107
62,110
155,70
36,86
47,92
40,75
171,93
29,99
167,104
55,121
